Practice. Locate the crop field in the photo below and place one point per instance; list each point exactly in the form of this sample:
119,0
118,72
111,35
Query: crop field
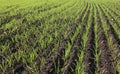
59,36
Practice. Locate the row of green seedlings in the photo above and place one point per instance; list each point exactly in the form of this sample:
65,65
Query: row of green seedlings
96,40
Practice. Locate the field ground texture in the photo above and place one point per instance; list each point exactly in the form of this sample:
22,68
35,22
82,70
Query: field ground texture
59,36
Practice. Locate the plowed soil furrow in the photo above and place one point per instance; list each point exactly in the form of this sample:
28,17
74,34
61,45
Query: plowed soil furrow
57,55
89,58
105,63
70,63
18,68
